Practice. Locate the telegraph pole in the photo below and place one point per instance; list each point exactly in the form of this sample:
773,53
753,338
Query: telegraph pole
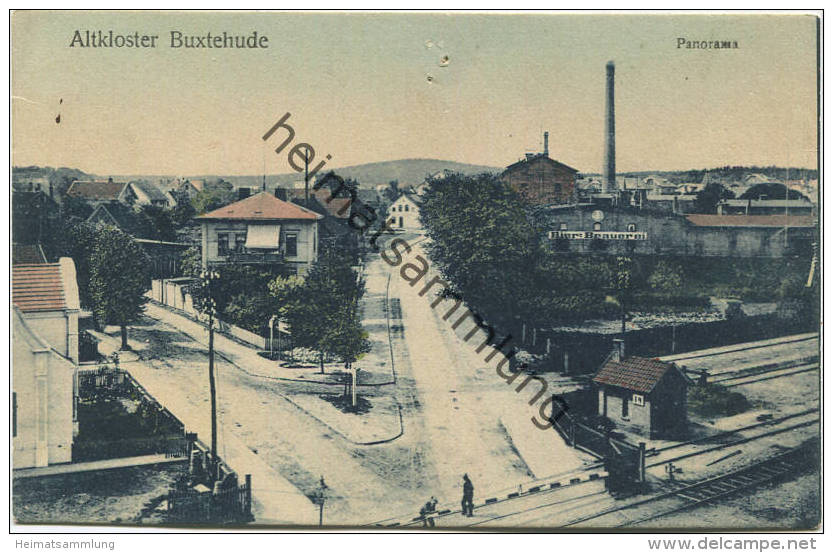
210,307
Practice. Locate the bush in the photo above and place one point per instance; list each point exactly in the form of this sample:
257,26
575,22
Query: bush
713,400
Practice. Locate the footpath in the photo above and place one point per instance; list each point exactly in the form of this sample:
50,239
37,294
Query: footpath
274,499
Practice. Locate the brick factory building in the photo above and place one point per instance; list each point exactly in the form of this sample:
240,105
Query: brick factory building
540,180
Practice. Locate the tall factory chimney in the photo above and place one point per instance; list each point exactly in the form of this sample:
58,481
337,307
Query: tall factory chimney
546,143
610,134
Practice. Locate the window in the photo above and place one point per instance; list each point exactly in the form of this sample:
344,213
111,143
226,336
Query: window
562,226
597,226
406,207
400,208
639,399
631,227
239,242
222,243
625,405
291,244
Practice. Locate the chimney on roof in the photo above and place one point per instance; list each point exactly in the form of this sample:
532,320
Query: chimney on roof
618,350
546,143
610,134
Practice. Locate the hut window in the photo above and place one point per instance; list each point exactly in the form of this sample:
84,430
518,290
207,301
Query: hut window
638,399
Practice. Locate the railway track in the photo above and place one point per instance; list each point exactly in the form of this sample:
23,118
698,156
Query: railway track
720,377
688,496
770,422
783,466
734,443
770,375
723,351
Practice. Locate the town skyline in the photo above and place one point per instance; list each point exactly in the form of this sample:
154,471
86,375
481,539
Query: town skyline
487,103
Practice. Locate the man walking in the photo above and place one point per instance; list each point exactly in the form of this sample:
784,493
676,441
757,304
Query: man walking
468,496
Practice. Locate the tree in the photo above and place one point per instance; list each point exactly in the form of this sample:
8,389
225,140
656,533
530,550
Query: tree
708,198
345,338
666,277
78,242
317,307
76,209
213,196
772,191
191,262
119,279
482,241
159,223
183,213
283,290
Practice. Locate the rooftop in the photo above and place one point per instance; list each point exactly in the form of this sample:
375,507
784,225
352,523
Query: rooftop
96,190
150,191
801,202
261,207
537,157
38,287
634,373
752,220
27,254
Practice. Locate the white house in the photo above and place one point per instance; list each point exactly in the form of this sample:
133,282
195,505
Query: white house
44,362
404,212
260,229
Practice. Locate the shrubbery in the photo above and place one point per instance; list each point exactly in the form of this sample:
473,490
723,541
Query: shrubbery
713,400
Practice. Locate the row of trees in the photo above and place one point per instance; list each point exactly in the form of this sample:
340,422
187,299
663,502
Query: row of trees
490,249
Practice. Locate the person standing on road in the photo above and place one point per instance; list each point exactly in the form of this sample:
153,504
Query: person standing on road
468,496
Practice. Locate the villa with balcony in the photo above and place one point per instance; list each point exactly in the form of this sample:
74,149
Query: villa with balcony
260,229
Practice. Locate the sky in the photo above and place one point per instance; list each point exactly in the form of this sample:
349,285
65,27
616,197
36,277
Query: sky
357,88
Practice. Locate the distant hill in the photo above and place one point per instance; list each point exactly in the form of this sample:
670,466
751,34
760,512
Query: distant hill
406,171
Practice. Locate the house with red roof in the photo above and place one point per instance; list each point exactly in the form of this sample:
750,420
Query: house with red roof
261,229
44,362
644,396
96,192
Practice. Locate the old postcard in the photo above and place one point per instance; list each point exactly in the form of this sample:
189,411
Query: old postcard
416,271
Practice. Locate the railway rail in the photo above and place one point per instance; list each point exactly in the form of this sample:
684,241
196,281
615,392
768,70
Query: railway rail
688,496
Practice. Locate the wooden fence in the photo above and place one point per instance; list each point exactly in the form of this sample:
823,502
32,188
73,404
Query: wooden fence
624,462
232,505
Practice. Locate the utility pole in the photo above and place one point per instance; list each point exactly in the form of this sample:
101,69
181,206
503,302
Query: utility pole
210,307
306,174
